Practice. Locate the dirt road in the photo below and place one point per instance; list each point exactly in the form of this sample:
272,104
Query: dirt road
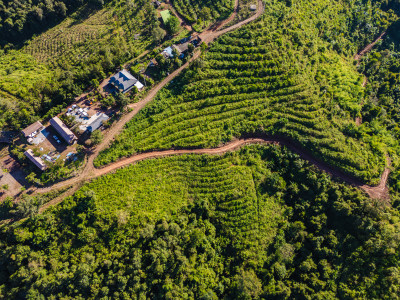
368,47
90,172
376,192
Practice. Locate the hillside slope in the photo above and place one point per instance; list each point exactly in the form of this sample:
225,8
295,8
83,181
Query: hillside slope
257,222
280,76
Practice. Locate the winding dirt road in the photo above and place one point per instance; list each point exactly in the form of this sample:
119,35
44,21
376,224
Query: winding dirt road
376,192
89,172
369,47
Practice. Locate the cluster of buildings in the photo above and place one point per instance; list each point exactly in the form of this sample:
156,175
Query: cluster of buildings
87,121
36,133
181,48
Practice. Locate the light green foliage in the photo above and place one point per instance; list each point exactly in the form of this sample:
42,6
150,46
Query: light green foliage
20,80
20,74
254,223
192,10
269,77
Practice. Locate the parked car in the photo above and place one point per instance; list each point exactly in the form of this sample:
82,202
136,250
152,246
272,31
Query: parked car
186,39
57,139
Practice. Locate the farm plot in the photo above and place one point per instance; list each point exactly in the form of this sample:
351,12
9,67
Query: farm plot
227,182
71,33
260,80
78,37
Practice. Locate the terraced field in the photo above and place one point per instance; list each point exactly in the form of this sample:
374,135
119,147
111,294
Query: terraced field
74,40
225,181
60,40
191,9
261,79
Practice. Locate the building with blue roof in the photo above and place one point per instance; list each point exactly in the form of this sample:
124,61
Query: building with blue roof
123,81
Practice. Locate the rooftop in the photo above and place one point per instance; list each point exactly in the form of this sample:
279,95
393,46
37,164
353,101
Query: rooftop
63,130
36,160
124,81
32,129
96,122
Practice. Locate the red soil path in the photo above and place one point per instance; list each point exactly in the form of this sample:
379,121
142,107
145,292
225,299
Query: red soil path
89,172
368,47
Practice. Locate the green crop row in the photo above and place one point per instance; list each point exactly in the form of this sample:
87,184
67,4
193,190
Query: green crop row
303,90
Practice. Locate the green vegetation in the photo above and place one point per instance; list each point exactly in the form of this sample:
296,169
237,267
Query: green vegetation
254,223
249,224
20,77
193,10
21,19
382,102
172,25
64,60
278,76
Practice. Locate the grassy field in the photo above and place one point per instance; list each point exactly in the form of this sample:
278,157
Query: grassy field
268,77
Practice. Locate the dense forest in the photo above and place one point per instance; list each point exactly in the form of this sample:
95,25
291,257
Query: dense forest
193,10
259,222
255,223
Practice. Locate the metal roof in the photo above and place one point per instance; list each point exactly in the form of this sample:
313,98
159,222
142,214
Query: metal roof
63,130
32,128
124,81
97,123
36,160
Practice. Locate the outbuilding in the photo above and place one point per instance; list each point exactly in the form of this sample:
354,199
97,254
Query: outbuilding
32,129
36,160
63,130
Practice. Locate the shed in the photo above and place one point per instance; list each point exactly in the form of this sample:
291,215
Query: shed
253,7
36,160
63,130
32,129
97,122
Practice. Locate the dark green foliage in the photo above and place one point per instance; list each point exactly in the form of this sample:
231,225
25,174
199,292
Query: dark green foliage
277,77
96,137
20,20
192,10
172,25
255,223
